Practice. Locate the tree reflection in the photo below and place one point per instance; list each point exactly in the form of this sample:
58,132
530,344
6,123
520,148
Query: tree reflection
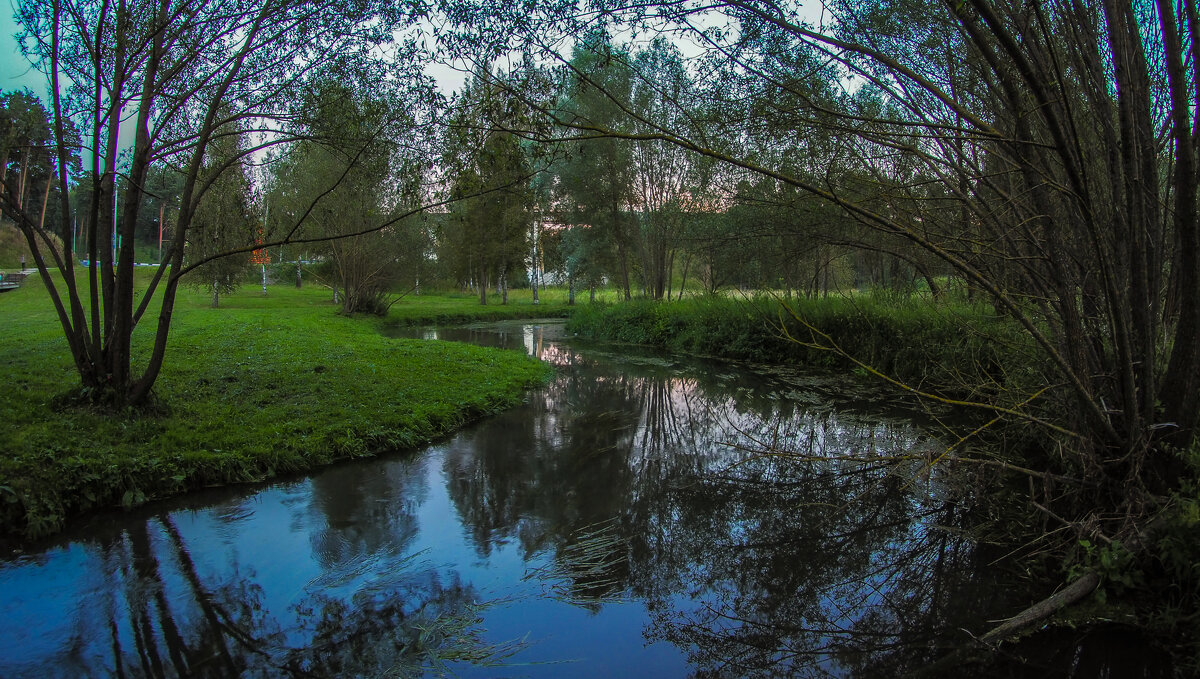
364,513
163,616
158,619
408,628
752,562
827,572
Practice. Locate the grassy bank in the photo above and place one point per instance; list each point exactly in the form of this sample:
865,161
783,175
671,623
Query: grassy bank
961,348
259,387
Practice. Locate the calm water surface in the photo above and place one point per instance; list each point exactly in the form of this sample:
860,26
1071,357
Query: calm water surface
634,518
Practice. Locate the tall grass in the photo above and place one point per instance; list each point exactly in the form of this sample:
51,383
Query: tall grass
956,347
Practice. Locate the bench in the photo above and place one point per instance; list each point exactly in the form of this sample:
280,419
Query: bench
11,281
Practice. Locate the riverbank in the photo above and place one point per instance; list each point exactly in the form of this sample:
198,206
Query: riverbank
260,387
955,348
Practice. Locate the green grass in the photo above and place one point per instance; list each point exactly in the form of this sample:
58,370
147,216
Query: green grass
259,387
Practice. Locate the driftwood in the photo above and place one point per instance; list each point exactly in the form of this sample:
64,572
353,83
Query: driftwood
1064,597
951,663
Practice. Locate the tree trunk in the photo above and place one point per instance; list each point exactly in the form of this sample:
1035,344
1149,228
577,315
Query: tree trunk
935,290
687,261
216,290
533,278
670,274
622,251
825,280
45,200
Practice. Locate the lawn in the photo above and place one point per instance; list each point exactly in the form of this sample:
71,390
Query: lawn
262,386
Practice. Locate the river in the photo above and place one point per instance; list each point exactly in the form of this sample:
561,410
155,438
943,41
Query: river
642,515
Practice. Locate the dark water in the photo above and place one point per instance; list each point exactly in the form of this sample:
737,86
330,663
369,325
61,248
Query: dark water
634,518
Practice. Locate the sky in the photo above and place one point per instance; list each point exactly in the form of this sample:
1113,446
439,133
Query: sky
15,72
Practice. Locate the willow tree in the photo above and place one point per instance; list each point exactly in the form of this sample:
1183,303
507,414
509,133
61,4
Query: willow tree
149,83
1046,153
487,234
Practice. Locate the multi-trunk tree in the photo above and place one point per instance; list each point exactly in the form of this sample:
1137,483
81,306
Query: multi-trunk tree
156,82
1045,154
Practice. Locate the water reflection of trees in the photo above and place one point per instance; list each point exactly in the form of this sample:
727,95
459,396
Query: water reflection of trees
838,569
752,562
156,612
364,513
155,616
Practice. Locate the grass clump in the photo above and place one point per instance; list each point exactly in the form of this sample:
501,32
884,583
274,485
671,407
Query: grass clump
259,387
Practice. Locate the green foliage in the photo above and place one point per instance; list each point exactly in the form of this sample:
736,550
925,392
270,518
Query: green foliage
1178,547
1117,567
485,238
595,178
261,387
1173,574
353,180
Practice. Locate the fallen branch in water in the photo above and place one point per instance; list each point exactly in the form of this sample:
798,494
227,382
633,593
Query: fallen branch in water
1064,597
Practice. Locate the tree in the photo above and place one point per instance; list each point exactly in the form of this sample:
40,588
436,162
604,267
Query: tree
354,177
665,177
596,178
587,254
224,220
180,74
488,233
